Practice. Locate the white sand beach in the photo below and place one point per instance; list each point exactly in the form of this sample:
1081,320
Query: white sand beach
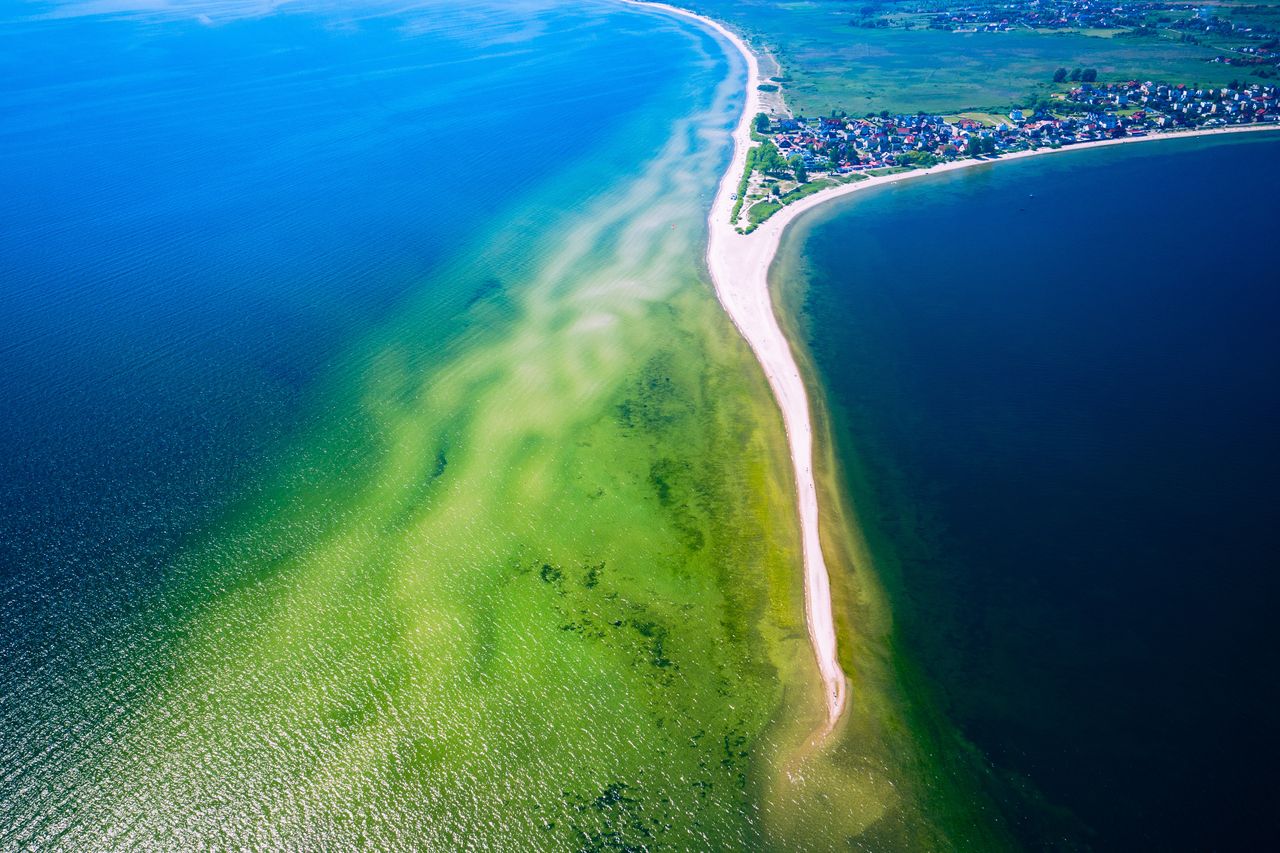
739,266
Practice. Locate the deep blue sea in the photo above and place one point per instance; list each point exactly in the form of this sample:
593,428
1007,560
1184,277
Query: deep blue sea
1055,388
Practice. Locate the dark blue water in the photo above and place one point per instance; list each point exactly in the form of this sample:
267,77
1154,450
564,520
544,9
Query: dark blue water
1055,386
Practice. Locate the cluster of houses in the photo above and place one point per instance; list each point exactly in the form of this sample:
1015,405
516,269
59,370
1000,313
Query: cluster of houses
1051,14
1159,106
1204,21
1245,57
1195,25
841,145
1005,15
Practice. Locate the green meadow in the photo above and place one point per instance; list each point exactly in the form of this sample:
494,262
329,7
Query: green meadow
830,65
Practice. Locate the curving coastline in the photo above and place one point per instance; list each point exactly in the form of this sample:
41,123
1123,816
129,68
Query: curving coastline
739,266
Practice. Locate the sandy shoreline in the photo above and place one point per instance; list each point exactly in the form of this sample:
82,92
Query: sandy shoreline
777,223
739,266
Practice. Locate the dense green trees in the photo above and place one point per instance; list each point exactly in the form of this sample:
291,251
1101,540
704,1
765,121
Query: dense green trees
923,159
797,166
1078,75
762,123
768,160
979,145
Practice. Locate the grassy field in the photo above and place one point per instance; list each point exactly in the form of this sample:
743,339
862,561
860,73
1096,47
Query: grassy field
806,189
986,118
830,65
762,210
888,170
742,184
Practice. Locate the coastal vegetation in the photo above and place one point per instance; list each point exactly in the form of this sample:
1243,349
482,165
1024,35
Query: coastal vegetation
798,168
905,65
1066,106
760,211
768,161
741,194
807,189
840,146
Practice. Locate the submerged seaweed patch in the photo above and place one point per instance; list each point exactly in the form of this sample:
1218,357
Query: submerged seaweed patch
655,401
656,637
574,537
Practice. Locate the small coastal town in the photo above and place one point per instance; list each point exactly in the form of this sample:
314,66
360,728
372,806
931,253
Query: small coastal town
1093,14
1252,37
798,156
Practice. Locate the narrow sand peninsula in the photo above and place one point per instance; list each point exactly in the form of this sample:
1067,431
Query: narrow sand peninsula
739,266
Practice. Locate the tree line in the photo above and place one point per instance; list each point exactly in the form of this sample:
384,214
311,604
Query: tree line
1076,75
770,161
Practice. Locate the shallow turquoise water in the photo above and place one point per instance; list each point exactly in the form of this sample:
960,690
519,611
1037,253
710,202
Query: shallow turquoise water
367,424
199,219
